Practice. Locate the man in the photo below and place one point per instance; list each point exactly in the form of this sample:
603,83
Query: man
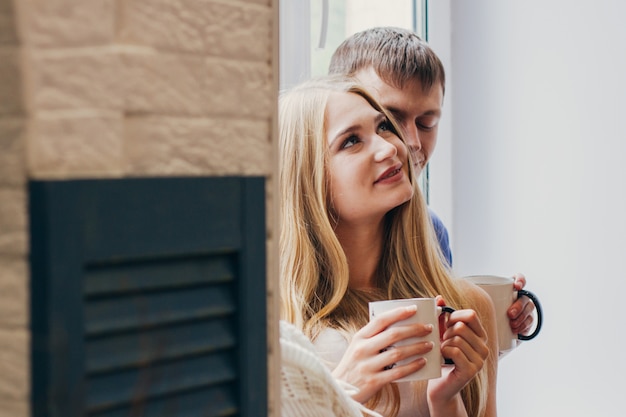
409,80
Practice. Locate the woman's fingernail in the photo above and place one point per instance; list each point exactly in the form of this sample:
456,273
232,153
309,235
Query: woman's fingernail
412,308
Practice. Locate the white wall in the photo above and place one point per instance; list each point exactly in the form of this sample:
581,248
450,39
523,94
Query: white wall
537,154
440,165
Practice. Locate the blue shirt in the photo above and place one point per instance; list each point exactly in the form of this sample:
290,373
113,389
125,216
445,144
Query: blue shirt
442,236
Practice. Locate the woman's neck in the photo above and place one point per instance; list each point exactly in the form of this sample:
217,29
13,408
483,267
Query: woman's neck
362,245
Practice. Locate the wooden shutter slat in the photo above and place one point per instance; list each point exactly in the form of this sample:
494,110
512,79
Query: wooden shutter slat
150,274
218,401
107,391
141,311
138,348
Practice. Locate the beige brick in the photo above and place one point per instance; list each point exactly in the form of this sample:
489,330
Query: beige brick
14,408
13,221
76,79
12,154
14,290
76,145
8,31
186,146
63,23
6,6
239,88
261,2
184,85
219,28
11,100
163,83
14,364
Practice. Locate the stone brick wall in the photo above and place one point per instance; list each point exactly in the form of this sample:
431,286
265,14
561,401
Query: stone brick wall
14,335
121,88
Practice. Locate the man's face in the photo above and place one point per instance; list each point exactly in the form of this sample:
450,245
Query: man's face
417,112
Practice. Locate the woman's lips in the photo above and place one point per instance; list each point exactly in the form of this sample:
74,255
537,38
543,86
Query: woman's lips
390,173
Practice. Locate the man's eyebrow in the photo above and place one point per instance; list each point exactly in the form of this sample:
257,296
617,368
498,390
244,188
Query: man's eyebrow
434,112
398,111
394,110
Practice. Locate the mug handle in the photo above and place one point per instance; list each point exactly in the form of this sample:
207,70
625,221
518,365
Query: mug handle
535,301
449,310
446,309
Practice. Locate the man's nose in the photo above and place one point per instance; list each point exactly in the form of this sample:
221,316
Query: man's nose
412,138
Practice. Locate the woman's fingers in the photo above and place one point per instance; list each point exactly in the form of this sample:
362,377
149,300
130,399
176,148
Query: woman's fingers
470,319
387,329
381,322
465,339
519,281
375,357
463,351
392,356
395,371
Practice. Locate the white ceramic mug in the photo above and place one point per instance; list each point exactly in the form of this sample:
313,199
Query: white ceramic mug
503,294
428,313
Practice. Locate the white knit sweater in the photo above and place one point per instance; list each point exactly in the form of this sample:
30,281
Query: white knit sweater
307,387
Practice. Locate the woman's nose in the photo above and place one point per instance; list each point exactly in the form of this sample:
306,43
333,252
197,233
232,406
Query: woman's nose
384,150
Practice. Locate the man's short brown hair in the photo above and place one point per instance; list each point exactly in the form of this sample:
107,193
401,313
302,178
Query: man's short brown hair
397,55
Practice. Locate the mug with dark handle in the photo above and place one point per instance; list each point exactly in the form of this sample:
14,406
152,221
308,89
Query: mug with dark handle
502,292
427,312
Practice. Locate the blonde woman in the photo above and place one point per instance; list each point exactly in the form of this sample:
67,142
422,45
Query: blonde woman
408,78
355,228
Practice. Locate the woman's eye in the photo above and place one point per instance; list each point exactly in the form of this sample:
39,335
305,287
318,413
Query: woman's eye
385,126
348,143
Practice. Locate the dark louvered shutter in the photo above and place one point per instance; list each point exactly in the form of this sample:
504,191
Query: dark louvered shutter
148,297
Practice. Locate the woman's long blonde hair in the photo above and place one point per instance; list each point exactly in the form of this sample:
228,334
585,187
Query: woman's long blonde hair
313,267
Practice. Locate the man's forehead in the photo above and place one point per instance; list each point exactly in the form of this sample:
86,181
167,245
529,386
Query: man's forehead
369,76
411,99
384,89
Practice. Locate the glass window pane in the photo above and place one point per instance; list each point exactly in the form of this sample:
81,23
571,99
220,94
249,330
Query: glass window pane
332,21
311,30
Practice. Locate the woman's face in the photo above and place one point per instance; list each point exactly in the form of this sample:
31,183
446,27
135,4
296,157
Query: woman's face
368,163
